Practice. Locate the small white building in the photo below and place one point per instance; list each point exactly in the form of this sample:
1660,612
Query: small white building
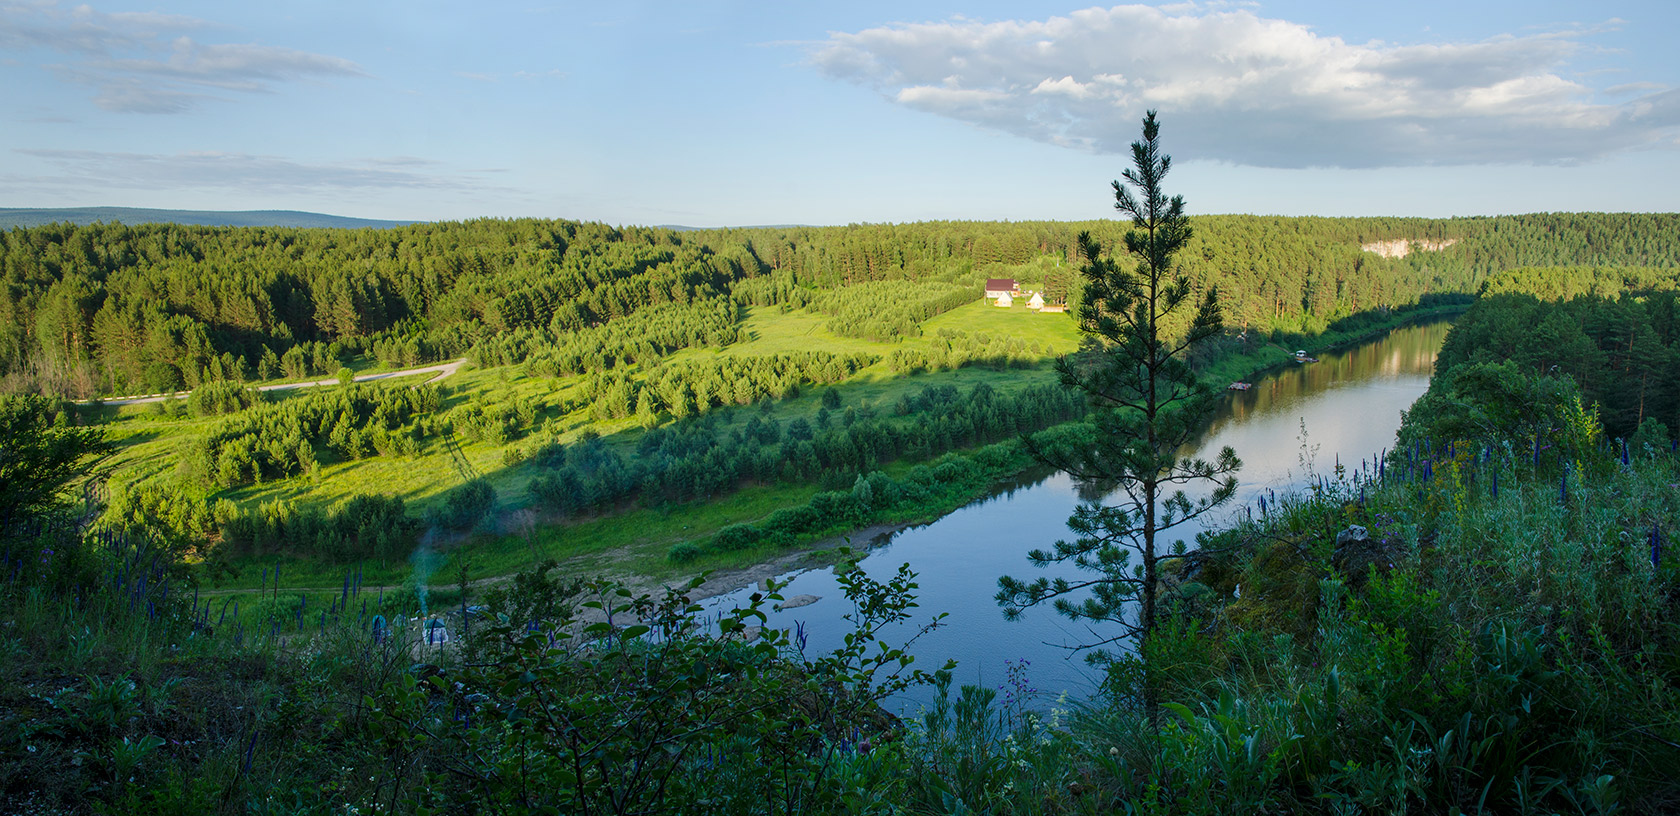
1036,302
1005,300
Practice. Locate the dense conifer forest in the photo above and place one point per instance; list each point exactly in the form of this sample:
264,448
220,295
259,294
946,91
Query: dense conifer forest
640,368
1481,622
113,309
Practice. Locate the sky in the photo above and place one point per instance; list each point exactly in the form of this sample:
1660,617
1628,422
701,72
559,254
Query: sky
707,113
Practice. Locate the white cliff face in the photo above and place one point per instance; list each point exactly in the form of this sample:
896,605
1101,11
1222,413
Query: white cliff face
1401,247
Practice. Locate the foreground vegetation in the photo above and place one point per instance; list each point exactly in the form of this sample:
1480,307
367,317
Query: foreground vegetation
1475,627
1484,621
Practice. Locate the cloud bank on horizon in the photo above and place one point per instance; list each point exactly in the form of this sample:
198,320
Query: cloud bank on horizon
242,172
146,62
1243,89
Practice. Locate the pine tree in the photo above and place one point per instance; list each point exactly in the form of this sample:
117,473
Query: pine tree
1147,405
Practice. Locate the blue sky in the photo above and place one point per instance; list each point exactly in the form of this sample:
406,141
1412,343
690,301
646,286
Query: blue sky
739,113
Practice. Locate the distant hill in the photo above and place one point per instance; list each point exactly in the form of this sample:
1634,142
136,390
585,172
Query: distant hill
686,228
34,217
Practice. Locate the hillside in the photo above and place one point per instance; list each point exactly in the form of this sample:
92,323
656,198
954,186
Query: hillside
40,216
634,393
1483,622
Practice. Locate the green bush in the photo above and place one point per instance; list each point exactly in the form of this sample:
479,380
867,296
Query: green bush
671,716
466,505
735,537
220,397
789,522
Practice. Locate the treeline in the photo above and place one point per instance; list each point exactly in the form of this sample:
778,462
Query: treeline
1613,332
871,497
696,459
95,309
880,310
376,528
643,337
953,349
683,389
276,440
112,308
1291,274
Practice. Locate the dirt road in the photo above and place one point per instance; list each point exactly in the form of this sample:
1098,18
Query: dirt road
442,369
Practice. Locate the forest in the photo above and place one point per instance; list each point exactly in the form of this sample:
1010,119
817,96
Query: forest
1484,621
636,369
113,309
1612,332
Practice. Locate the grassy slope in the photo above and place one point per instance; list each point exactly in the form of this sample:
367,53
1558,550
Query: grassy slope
637,540
149,440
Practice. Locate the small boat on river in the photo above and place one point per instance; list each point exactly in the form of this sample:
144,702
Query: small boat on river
1239,386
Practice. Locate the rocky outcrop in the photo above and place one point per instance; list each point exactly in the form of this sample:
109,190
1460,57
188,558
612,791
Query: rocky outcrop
1401,247
1357,552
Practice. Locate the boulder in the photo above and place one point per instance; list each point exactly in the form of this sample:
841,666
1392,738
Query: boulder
1357,552
797,601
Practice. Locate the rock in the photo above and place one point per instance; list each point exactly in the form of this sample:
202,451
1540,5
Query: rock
797,601
1357,553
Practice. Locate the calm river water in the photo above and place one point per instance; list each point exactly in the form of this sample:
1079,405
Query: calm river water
1350,403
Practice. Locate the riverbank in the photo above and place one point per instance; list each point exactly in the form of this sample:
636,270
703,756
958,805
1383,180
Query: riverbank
1240,365
763,525
1009,462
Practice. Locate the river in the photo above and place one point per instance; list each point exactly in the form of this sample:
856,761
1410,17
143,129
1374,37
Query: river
1349,403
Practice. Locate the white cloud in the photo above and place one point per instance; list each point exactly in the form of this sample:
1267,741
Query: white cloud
1233,86
148,63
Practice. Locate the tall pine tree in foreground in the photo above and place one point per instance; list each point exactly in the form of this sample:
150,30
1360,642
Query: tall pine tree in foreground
1147,405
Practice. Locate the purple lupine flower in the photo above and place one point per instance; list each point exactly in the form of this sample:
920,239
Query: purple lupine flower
250,750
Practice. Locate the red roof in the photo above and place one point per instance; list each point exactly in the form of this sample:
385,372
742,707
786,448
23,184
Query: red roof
997,284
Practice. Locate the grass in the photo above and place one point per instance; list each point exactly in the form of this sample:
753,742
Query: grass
635,540
149,440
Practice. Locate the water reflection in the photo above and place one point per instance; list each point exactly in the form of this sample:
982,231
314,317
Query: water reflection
1349,402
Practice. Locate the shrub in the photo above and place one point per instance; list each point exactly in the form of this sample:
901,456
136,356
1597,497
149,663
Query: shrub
467,505
784,524
736,537
220,397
